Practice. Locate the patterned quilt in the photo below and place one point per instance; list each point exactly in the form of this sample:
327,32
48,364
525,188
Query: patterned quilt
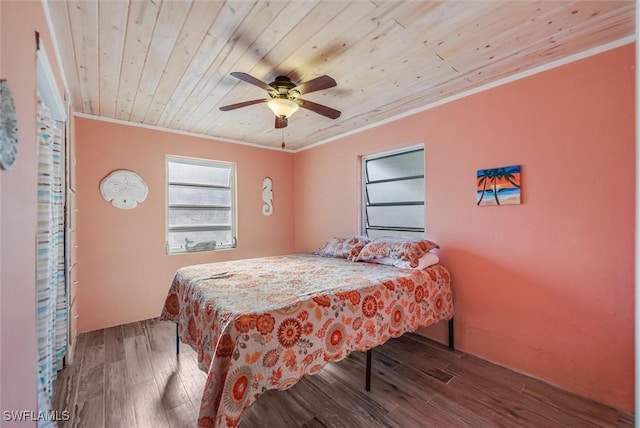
263,323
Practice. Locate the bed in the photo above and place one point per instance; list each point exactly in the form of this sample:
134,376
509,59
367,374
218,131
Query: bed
261,324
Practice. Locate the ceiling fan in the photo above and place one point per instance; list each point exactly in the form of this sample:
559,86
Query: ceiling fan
284,96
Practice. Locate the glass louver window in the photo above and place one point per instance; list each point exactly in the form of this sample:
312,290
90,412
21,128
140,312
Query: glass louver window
394,194
200,205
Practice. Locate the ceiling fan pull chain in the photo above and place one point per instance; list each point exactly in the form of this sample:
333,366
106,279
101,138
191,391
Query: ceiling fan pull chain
282,139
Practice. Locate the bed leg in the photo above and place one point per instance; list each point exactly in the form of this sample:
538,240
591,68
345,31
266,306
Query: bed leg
451,334
367,382
177,340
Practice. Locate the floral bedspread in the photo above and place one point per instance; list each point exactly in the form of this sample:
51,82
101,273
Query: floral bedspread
261,324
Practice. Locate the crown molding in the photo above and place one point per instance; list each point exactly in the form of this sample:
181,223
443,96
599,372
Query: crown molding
554,64
176,131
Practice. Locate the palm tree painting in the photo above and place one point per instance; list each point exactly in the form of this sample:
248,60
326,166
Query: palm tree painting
498,186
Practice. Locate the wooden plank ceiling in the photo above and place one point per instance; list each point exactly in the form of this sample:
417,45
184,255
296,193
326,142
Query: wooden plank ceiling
167,63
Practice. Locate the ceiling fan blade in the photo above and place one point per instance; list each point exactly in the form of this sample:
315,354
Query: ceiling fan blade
318,108
317,84
281,122
250,79
243,104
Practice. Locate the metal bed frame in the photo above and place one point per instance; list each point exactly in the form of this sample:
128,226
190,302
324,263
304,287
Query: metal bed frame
367,382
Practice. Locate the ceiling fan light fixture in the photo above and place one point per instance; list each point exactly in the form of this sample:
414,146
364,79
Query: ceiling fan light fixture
282,107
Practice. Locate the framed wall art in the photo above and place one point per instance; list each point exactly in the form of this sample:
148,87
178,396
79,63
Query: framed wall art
498,186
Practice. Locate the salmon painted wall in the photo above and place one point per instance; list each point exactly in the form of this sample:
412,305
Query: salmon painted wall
124,272
18,210
545,287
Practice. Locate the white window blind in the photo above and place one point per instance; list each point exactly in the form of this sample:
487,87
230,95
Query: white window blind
394,194
200,205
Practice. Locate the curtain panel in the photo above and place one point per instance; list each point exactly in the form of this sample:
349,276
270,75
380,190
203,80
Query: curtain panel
52,312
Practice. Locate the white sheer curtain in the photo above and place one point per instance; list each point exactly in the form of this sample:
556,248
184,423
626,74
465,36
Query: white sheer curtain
51,289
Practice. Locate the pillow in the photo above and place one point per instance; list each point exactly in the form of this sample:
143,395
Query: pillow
408,250
428,259
424,262
345,248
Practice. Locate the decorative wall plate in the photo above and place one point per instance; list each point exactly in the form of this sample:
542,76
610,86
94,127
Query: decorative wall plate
8,127
125,189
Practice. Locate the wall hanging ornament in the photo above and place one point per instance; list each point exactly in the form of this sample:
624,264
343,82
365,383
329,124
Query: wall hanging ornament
498,186
267,196
8,127
124,189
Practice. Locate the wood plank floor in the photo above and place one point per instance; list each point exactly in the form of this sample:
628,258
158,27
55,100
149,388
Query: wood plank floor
129,376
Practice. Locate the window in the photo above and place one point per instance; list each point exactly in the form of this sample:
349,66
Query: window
393,193
200,205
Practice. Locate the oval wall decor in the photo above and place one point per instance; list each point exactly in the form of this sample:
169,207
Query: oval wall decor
8,127
124,189
267,196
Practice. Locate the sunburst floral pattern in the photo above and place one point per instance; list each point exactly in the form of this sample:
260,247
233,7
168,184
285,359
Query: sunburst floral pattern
335,339
262,341
289,332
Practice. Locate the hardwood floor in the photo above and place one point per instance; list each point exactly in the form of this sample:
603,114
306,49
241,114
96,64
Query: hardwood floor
129,376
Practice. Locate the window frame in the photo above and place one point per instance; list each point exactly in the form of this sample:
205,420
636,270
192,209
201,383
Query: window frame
233,218
395,231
